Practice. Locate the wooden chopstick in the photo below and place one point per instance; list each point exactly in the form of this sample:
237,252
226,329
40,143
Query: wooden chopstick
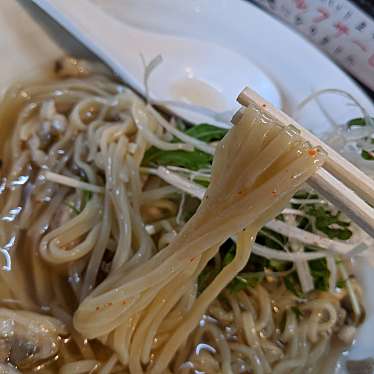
336,164
342,183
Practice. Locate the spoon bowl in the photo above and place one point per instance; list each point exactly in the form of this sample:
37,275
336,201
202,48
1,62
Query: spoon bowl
192,71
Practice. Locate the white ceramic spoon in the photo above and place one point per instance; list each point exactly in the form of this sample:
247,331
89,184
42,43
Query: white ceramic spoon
192,70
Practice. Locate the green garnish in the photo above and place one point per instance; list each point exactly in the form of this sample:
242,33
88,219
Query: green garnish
202,182
305,195
253,273
329,223
367,155
320,274
278,265
245,280
229,256
206,133
86,197
271,239
292,283
357,122
341,283
193,160
318,270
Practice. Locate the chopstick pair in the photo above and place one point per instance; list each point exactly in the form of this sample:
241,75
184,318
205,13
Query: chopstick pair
340,182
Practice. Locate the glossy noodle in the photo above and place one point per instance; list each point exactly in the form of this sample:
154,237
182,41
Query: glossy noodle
100,258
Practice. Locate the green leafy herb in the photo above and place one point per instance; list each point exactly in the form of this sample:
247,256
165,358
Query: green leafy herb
299,314
227,252
271,239
341,283
229,256
357,122
86,197
305,224
339,261
291,281
242,281
279,266
304,195
367,155
320,274
206,133
245,280
329,223
202,182
193,160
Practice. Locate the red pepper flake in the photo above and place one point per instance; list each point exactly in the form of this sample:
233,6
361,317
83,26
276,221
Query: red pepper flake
124,302
274,193
312,152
